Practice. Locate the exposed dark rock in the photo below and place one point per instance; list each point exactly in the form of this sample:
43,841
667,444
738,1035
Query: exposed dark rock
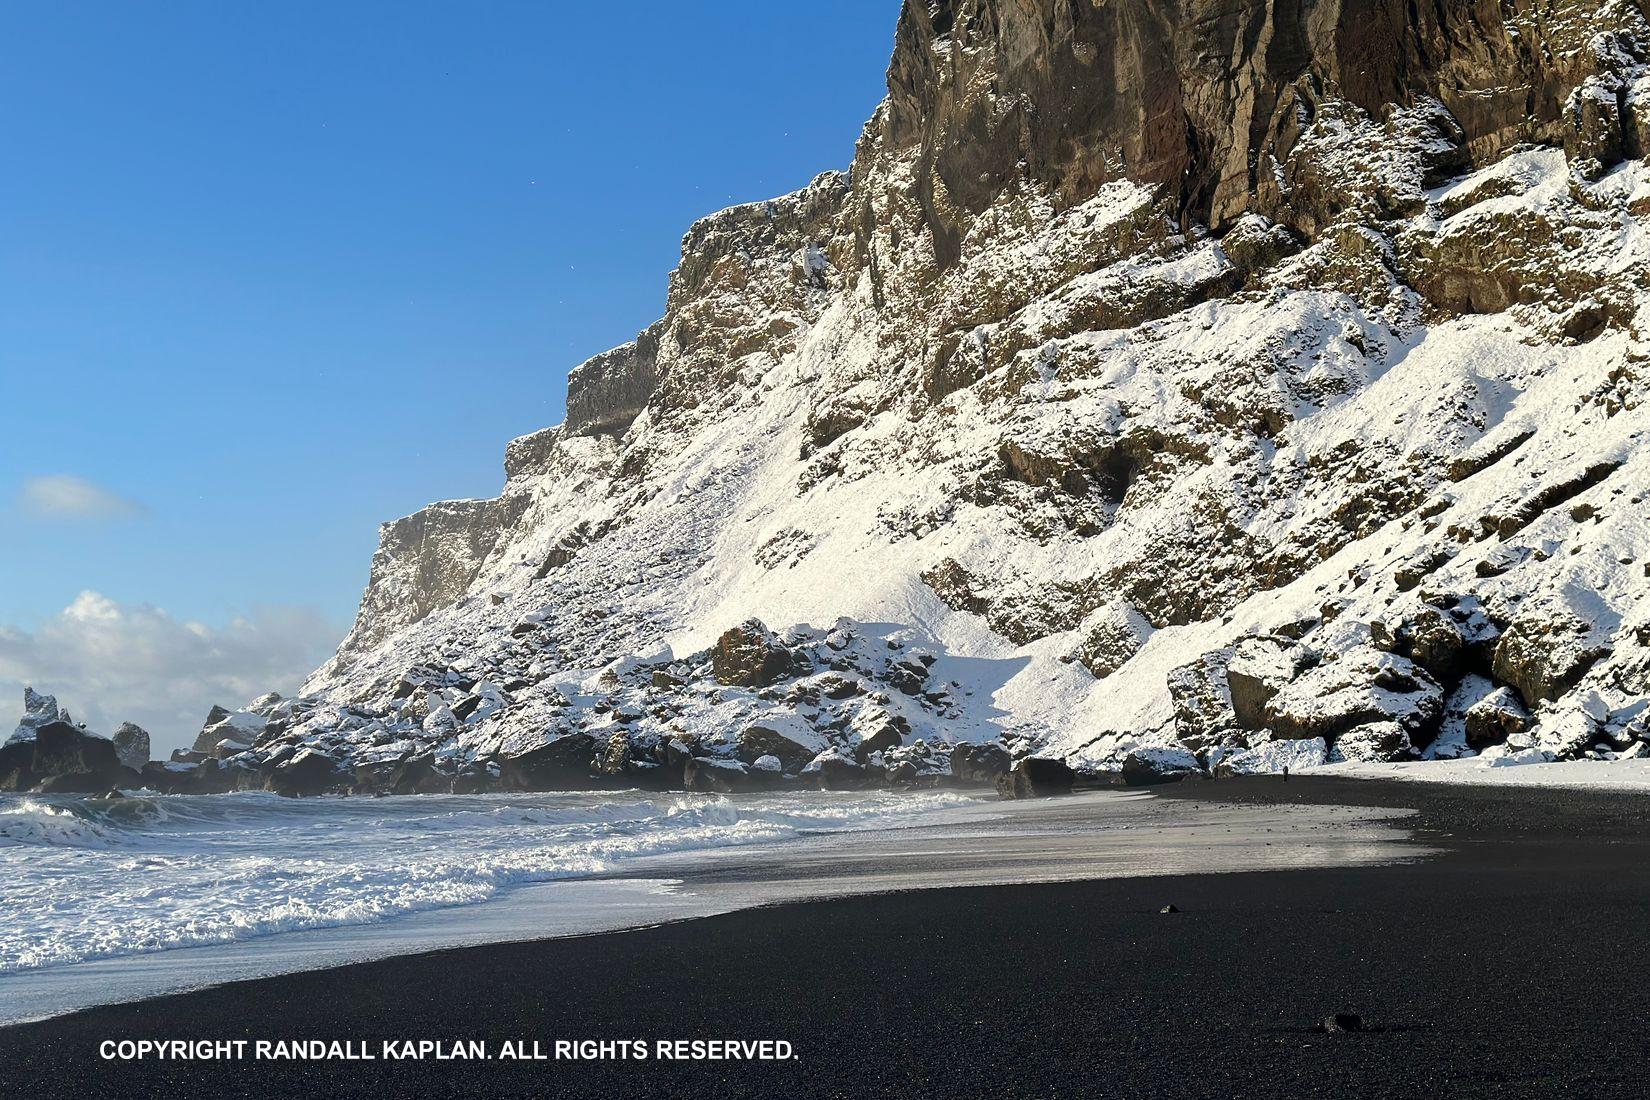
1494,718
132,745
749,655
309,772
1545,652
1487,453
63,753
979,763
713,775
889,734
563,764
1036,777
418,775
758,741
1147,767
605,393
907,675
833,771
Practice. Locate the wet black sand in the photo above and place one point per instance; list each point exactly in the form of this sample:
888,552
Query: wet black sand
1512,965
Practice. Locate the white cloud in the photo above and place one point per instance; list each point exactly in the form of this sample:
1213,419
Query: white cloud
109,662
65,496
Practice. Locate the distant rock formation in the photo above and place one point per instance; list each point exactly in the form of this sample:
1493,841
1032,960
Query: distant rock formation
50,754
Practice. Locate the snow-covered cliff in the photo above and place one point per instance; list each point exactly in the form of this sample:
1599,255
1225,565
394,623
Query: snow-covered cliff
1241,382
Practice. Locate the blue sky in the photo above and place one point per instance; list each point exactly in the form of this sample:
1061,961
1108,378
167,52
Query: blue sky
271,274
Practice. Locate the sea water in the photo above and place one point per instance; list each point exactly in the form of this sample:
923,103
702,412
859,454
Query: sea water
88,878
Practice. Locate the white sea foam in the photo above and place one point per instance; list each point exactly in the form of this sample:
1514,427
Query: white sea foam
88,879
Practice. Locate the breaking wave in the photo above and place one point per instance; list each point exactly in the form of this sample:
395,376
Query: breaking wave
88,878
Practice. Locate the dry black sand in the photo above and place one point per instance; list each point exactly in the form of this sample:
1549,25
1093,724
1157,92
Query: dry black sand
1512,965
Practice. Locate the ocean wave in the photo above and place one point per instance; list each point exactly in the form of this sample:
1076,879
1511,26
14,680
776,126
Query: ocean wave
94,879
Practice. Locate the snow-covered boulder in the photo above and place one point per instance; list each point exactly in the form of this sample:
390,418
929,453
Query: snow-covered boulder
1260,667
1545,652
1373,742
243,727
1275,756
1157,764
1202,700
1427,635
1363,685
1495,717
1505,756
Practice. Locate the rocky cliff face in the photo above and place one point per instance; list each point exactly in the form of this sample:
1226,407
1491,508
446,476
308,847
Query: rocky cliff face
1168,385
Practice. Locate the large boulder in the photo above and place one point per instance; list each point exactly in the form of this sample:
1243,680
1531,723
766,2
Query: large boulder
561,764
1202,700
749,655
308,772
16,760
791,741
265,705
1426,635
1262,665
1545,652
1273,757
1364,685
1494,718
834,770
1373,742
132,745
166,776
61,754
718,775
418,775
1036,777
979,763
242,727
1594,133
1157,764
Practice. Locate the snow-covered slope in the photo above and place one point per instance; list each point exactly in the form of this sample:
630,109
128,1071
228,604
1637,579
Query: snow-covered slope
1149,381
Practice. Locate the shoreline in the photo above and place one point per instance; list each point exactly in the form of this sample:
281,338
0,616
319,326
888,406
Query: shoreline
1504,965
1103,833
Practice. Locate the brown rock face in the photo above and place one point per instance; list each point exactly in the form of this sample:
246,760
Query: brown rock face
749,656
1204,97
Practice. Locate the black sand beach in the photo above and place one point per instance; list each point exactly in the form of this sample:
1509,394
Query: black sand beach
1511,965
